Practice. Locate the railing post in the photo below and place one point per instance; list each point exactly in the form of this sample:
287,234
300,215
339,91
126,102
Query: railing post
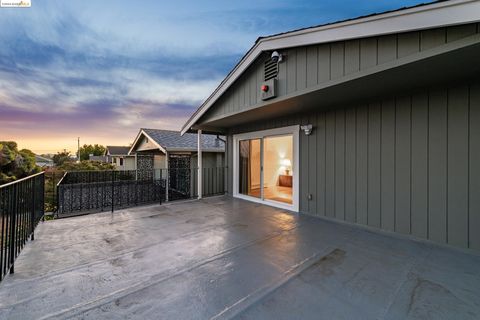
113,189
33,209
11,241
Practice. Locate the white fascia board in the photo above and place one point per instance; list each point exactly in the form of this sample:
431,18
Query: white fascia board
134,142
435,15
142,132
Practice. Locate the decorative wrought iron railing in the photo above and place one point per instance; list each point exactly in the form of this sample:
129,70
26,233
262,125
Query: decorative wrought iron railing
81,192
21,208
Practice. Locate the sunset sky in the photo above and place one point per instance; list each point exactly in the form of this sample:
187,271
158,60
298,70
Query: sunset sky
101,70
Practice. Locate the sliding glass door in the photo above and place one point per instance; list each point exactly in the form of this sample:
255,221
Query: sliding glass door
265,168
278,174
250,167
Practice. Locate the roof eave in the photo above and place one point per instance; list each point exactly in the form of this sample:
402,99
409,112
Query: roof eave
435,15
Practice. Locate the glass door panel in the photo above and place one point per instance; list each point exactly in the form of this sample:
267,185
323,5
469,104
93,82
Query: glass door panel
278,174
250,174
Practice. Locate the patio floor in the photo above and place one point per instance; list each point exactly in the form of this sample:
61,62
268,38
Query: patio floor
226,258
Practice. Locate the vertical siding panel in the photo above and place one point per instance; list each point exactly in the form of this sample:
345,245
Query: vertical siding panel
432,38
312,66
291,71
248,80
282,79
330,164
437,165
337,62
340,164
301,68
402,165
459,32
312,163
457,210
350,164
368,53
362,164
420,165
238,91
323,63
387,48
374,120
388,165
231,99
321,188
352,56
253,87
304,185
474,165
241,94
408,43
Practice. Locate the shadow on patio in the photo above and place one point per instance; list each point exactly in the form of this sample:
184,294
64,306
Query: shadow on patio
222,257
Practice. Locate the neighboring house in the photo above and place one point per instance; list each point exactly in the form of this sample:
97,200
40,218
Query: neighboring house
98,158
118,156
43,162
169,149
374,121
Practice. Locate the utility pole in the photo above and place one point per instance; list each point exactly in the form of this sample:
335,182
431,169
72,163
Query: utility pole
78,150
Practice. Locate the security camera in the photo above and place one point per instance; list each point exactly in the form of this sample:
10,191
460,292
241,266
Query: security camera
276,57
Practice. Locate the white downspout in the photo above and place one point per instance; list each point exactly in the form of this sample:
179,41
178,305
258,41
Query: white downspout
200,165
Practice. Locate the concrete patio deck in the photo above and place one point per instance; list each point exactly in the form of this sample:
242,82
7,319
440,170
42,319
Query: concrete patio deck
226,258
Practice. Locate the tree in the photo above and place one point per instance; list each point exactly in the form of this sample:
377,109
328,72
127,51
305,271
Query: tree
88,149
61,157
15,164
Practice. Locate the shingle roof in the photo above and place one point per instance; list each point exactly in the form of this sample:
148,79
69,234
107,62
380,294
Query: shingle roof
172,140
117,150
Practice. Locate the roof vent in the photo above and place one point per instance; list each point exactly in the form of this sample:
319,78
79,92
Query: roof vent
271,69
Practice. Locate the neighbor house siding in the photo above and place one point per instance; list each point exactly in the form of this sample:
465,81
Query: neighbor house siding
408,163
307,67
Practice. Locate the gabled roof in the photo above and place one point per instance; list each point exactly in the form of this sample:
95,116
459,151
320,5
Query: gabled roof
117,150
419,17
168,140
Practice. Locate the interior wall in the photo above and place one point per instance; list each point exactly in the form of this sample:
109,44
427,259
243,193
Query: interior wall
275,150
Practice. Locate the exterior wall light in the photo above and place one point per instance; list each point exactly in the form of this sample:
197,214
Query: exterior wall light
307,129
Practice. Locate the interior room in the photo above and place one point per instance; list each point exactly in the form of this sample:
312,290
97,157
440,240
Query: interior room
276,152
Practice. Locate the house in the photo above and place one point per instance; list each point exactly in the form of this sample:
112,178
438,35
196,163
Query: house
174,158
43,161
103,158
163,149
373,121
118,156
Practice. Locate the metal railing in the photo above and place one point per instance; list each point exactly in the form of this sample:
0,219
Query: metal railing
21,208
81,192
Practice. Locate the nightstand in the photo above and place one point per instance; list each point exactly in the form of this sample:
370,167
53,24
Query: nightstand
285,181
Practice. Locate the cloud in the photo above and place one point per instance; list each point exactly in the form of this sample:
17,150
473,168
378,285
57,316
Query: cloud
103,69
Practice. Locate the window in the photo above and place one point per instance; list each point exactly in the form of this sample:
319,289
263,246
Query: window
121,161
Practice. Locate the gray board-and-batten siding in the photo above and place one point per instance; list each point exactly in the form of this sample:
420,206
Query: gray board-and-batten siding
309,66
407,162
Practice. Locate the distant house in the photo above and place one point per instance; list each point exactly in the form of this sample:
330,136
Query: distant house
98,158
118,156
43,162
161,149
